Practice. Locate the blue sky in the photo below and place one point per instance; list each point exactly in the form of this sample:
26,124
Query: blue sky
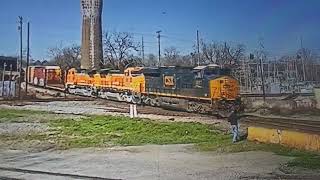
279,22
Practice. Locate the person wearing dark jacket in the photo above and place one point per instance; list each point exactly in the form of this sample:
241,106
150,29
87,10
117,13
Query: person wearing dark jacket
233,119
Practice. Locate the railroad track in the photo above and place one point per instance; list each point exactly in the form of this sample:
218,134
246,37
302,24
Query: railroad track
308,126
276,94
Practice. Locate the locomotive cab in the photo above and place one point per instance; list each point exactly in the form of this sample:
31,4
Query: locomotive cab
203,75
134,79
218,82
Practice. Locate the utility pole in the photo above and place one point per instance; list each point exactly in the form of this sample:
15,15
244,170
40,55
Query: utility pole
303,60
225,53
261,70
20,67
28,56
257,69
262,79
159,46
198,47
268,67
287,69
142,48
296,69
274,70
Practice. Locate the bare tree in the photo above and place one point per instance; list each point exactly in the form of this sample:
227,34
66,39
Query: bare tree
150,61
308,59
221,53
119,48
65,57
209,52
187,60
171,56
232,55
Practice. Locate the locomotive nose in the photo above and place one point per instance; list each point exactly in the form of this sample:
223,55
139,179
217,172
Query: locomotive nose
224,88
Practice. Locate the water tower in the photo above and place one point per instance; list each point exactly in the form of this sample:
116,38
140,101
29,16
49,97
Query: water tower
91,45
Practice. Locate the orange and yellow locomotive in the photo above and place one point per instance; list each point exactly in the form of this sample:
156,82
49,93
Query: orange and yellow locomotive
203,89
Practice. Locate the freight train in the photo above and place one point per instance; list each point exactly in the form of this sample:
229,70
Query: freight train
43,75
206,89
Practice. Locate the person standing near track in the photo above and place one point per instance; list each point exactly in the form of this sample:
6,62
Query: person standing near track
234,122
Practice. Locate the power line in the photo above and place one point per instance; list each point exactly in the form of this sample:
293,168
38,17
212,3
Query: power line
148,42
143,34
178,39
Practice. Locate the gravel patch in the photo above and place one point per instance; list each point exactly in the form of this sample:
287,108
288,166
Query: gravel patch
22,128
66,107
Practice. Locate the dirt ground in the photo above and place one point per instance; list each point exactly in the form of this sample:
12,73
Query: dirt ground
138,162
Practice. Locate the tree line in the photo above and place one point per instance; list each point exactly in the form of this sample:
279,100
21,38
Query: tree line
121,51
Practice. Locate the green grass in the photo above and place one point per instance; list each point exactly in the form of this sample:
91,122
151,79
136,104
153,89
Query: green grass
307,161
102,130
98,131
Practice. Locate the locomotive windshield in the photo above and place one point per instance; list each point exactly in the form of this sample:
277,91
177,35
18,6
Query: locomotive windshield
225,71
211,70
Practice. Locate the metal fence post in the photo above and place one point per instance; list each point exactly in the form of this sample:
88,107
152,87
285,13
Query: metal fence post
10,79
3,74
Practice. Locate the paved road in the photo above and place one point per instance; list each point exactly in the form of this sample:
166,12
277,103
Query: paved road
144,162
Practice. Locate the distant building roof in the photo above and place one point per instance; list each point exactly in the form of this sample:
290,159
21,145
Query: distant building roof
52,67
213,65
199,67
46,67
205,66
8,58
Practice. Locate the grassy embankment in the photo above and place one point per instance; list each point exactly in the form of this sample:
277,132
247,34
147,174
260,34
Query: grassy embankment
102,131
